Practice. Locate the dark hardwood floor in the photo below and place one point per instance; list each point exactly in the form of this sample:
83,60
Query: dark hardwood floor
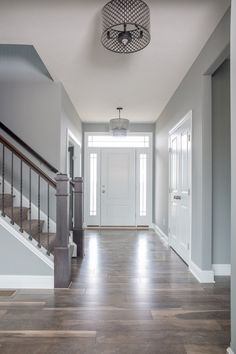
130,294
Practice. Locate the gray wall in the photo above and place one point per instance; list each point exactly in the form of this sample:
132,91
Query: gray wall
21,63
221,164
69,120
36,108
193,94
16,259
233,176
39,111
32,111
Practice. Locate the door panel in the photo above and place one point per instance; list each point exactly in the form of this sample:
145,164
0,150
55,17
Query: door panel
179,194
118,187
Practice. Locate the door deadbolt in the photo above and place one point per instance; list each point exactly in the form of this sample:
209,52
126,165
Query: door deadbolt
178,197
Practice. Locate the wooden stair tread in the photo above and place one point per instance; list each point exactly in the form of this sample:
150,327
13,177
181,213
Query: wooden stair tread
44,241
8,200
47,244
16,213
34,226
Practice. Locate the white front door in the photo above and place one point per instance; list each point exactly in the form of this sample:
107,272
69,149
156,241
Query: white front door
118,187
179,189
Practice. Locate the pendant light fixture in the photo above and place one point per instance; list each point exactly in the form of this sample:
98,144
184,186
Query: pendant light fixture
119,126
126,26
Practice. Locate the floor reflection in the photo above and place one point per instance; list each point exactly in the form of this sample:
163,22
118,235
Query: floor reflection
92,255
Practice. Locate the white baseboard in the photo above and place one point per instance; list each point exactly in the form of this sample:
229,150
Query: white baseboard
203,276
26,282
230,351
222,269
160,233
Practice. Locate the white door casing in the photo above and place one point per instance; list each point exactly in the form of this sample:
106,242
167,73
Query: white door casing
180,163
95,164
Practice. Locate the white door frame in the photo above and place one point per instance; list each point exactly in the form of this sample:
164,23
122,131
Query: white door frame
70,138
96,221
187,117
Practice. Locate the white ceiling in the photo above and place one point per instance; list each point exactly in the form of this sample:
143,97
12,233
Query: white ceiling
66,34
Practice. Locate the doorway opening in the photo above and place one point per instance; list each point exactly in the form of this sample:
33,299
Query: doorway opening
73,166
118,180
73,155
221,170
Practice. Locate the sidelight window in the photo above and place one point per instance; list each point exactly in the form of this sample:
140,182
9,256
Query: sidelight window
143,184
93,184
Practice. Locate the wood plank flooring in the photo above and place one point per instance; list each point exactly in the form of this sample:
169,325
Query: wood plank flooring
130,295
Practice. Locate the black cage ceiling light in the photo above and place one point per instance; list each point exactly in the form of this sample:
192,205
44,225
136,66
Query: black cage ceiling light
126,26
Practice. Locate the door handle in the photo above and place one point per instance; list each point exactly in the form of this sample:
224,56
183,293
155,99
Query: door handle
178,197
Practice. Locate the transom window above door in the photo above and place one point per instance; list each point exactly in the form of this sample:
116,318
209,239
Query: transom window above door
129,141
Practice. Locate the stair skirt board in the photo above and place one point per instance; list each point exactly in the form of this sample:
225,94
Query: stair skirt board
26,281
34,208
24,239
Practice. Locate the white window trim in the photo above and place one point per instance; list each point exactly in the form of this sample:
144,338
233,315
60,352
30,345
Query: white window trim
140,220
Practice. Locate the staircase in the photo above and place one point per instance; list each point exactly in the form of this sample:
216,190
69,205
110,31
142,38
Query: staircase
30,200
33,228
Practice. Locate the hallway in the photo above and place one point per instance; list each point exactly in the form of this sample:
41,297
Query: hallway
130,294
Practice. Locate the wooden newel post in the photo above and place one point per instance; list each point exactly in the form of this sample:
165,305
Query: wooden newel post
78,232
62,256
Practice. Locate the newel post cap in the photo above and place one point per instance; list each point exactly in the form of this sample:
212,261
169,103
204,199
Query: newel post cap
61,177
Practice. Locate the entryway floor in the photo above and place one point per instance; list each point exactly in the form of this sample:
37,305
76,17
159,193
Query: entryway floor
130,294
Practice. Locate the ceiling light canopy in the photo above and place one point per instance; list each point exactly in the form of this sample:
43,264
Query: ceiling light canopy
126,26
119,126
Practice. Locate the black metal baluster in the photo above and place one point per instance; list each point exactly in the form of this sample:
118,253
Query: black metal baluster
48,223
12,182
21,196
39,228
30,209
3,179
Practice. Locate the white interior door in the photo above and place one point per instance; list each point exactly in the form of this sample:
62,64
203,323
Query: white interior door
118,187
179,190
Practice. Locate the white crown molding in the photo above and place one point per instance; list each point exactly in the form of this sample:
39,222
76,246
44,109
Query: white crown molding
222,269
230,351
160,233
26,282
203,276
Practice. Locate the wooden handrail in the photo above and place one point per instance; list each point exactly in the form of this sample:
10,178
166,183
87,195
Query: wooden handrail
27,147
27,161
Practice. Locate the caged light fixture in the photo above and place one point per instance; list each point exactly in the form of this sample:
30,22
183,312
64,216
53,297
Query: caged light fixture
126,26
